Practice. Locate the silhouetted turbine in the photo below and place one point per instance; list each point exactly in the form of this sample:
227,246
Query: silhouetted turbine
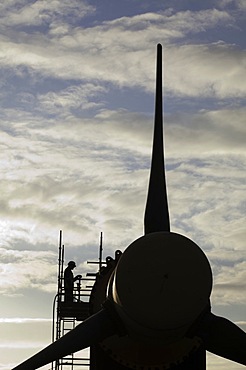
177,269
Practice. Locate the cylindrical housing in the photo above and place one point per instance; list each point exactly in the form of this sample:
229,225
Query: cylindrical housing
161,285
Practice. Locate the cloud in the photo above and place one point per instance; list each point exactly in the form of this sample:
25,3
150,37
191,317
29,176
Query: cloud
197,70
168,24
121,52
22,269
37,13
80,97
231,290
215,131
237,4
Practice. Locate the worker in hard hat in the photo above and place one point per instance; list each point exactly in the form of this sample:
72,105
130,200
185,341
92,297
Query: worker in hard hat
69,280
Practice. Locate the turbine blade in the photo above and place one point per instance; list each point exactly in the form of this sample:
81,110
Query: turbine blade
224,338
91,331
156,213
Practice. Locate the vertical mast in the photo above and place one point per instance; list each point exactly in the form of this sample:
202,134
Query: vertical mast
100,251
156,213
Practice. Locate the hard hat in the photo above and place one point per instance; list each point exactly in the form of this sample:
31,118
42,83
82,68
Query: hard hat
72,263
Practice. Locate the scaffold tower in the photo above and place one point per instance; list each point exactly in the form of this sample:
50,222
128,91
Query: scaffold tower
66,315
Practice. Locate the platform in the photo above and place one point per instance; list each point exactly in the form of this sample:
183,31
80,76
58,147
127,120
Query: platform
78,310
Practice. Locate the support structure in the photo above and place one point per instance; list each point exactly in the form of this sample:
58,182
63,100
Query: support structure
66,316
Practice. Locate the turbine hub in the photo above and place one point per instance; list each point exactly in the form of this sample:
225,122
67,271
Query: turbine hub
161,284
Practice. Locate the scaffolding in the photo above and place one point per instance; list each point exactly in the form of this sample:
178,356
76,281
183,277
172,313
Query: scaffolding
66,315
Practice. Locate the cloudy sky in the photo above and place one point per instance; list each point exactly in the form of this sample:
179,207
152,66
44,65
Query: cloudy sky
77,100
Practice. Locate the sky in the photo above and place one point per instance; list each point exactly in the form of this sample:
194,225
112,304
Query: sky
77,101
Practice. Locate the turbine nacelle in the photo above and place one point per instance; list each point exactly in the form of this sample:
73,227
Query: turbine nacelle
161,285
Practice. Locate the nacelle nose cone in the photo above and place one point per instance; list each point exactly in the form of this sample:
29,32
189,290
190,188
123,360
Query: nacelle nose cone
162,282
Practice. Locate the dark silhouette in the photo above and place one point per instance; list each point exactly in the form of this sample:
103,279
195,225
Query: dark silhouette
174,326
69,280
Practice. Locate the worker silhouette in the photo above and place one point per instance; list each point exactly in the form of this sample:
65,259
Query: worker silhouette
69,280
